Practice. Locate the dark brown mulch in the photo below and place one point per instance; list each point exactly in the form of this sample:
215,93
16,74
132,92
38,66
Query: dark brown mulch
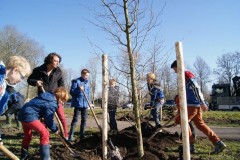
125,140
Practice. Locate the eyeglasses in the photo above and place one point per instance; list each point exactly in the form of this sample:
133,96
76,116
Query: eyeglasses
22,77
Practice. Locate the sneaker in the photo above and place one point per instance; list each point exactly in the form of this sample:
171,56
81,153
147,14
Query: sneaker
219,147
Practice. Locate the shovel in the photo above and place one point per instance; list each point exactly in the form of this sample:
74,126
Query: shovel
8,153
94,115
115,153
159,129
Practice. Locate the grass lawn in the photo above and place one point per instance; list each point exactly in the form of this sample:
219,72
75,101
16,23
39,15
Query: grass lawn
12,139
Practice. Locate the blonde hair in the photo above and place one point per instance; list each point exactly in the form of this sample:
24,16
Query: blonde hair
151,75
19,62
61,94
111,81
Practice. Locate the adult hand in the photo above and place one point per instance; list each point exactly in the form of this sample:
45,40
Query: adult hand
204,107
81,88
39,83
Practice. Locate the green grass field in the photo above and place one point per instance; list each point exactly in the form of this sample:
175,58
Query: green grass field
12,139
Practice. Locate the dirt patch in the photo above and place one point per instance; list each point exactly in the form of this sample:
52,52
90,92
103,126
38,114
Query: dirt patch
125,140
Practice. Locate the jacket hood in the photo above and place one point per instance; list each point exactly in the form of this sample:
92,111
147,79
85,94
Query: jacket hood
83,80
189,75
48,96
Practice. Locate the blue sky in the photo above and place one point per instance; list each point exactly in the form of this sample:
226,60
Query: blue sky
206,28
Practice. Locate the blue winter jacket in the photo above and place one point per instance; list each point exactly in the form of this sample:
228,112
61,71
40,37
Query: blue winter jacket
156,93
42,106
78,99
193,93
4,97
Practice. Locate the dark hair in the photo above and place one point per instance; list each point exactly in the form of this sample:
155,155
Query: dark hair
174,64
84,71
49,58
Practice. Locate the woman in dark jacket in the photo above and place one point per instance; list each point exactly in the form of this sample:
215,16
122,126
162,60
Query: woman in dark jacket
41,107
49,76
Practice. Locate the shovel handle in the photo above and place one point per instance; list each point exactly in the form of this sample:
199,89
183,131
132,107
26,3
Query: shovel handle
94,115
8,153
111,146
64,143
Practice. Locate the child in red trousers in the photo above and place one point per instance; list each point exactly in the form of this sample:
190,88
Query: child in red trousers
41,107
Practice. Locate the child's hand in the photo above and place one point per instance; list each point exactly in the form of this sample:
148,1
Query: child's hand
81,88
204,107
56,132
1,142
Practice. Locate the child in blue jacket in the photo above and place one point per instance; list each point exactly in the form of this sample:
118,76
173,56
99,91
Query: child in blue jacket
157,97
79,102
41,107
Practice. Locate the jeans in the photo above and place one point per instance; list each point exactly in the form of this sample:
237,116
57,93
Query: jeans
113,123
84,114
155,112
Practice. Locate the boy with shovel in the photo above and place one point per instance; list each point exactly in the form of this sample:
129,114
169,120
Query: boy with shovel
79,102
42,106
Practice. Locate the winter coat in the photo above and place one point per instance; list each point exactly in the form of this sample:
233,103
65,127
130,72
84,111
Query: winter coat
113,97
4,96
78,99
156,93
51,82
193,92
42,106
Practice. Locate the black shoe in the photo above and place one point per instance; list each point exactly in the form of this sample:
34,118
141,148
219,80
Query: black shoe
192,149
219,147
82,137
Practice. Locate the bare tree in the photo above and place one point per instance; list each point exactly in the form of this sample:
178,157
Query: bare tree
93,67
13,42
228,66
203,72
129,23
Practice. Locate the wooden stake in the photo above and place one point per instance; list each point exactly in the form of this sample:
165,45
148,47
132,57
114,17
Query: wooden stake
183,101
104,104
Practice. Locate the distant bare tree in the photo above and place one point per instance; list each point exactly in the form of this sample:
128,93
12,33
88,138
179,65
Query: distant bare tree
228,66
203,72
94,68
13,42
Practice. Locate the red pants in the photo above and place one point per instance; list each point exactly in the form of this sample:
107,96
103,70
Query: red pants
60,113
195,115
39,128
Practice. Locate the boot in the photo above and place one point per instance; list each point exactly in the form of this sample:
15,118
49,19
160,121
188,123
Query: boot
45,152
19,126
71,134
219,147
24,154
8,121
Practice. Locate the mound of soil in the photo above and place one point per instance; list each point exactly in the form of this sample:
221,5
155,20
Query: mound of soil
125,140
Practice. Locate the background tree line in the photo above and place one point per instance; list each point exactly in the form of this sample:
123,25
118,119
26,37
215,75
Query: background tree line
14,42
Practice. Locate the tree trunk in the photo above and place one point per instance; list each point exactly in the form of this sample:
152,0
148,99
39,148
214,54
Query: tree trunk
134,84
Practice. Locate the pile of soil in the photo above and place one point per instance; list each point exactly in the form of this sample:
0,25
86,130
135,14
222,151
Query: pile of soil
125,140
